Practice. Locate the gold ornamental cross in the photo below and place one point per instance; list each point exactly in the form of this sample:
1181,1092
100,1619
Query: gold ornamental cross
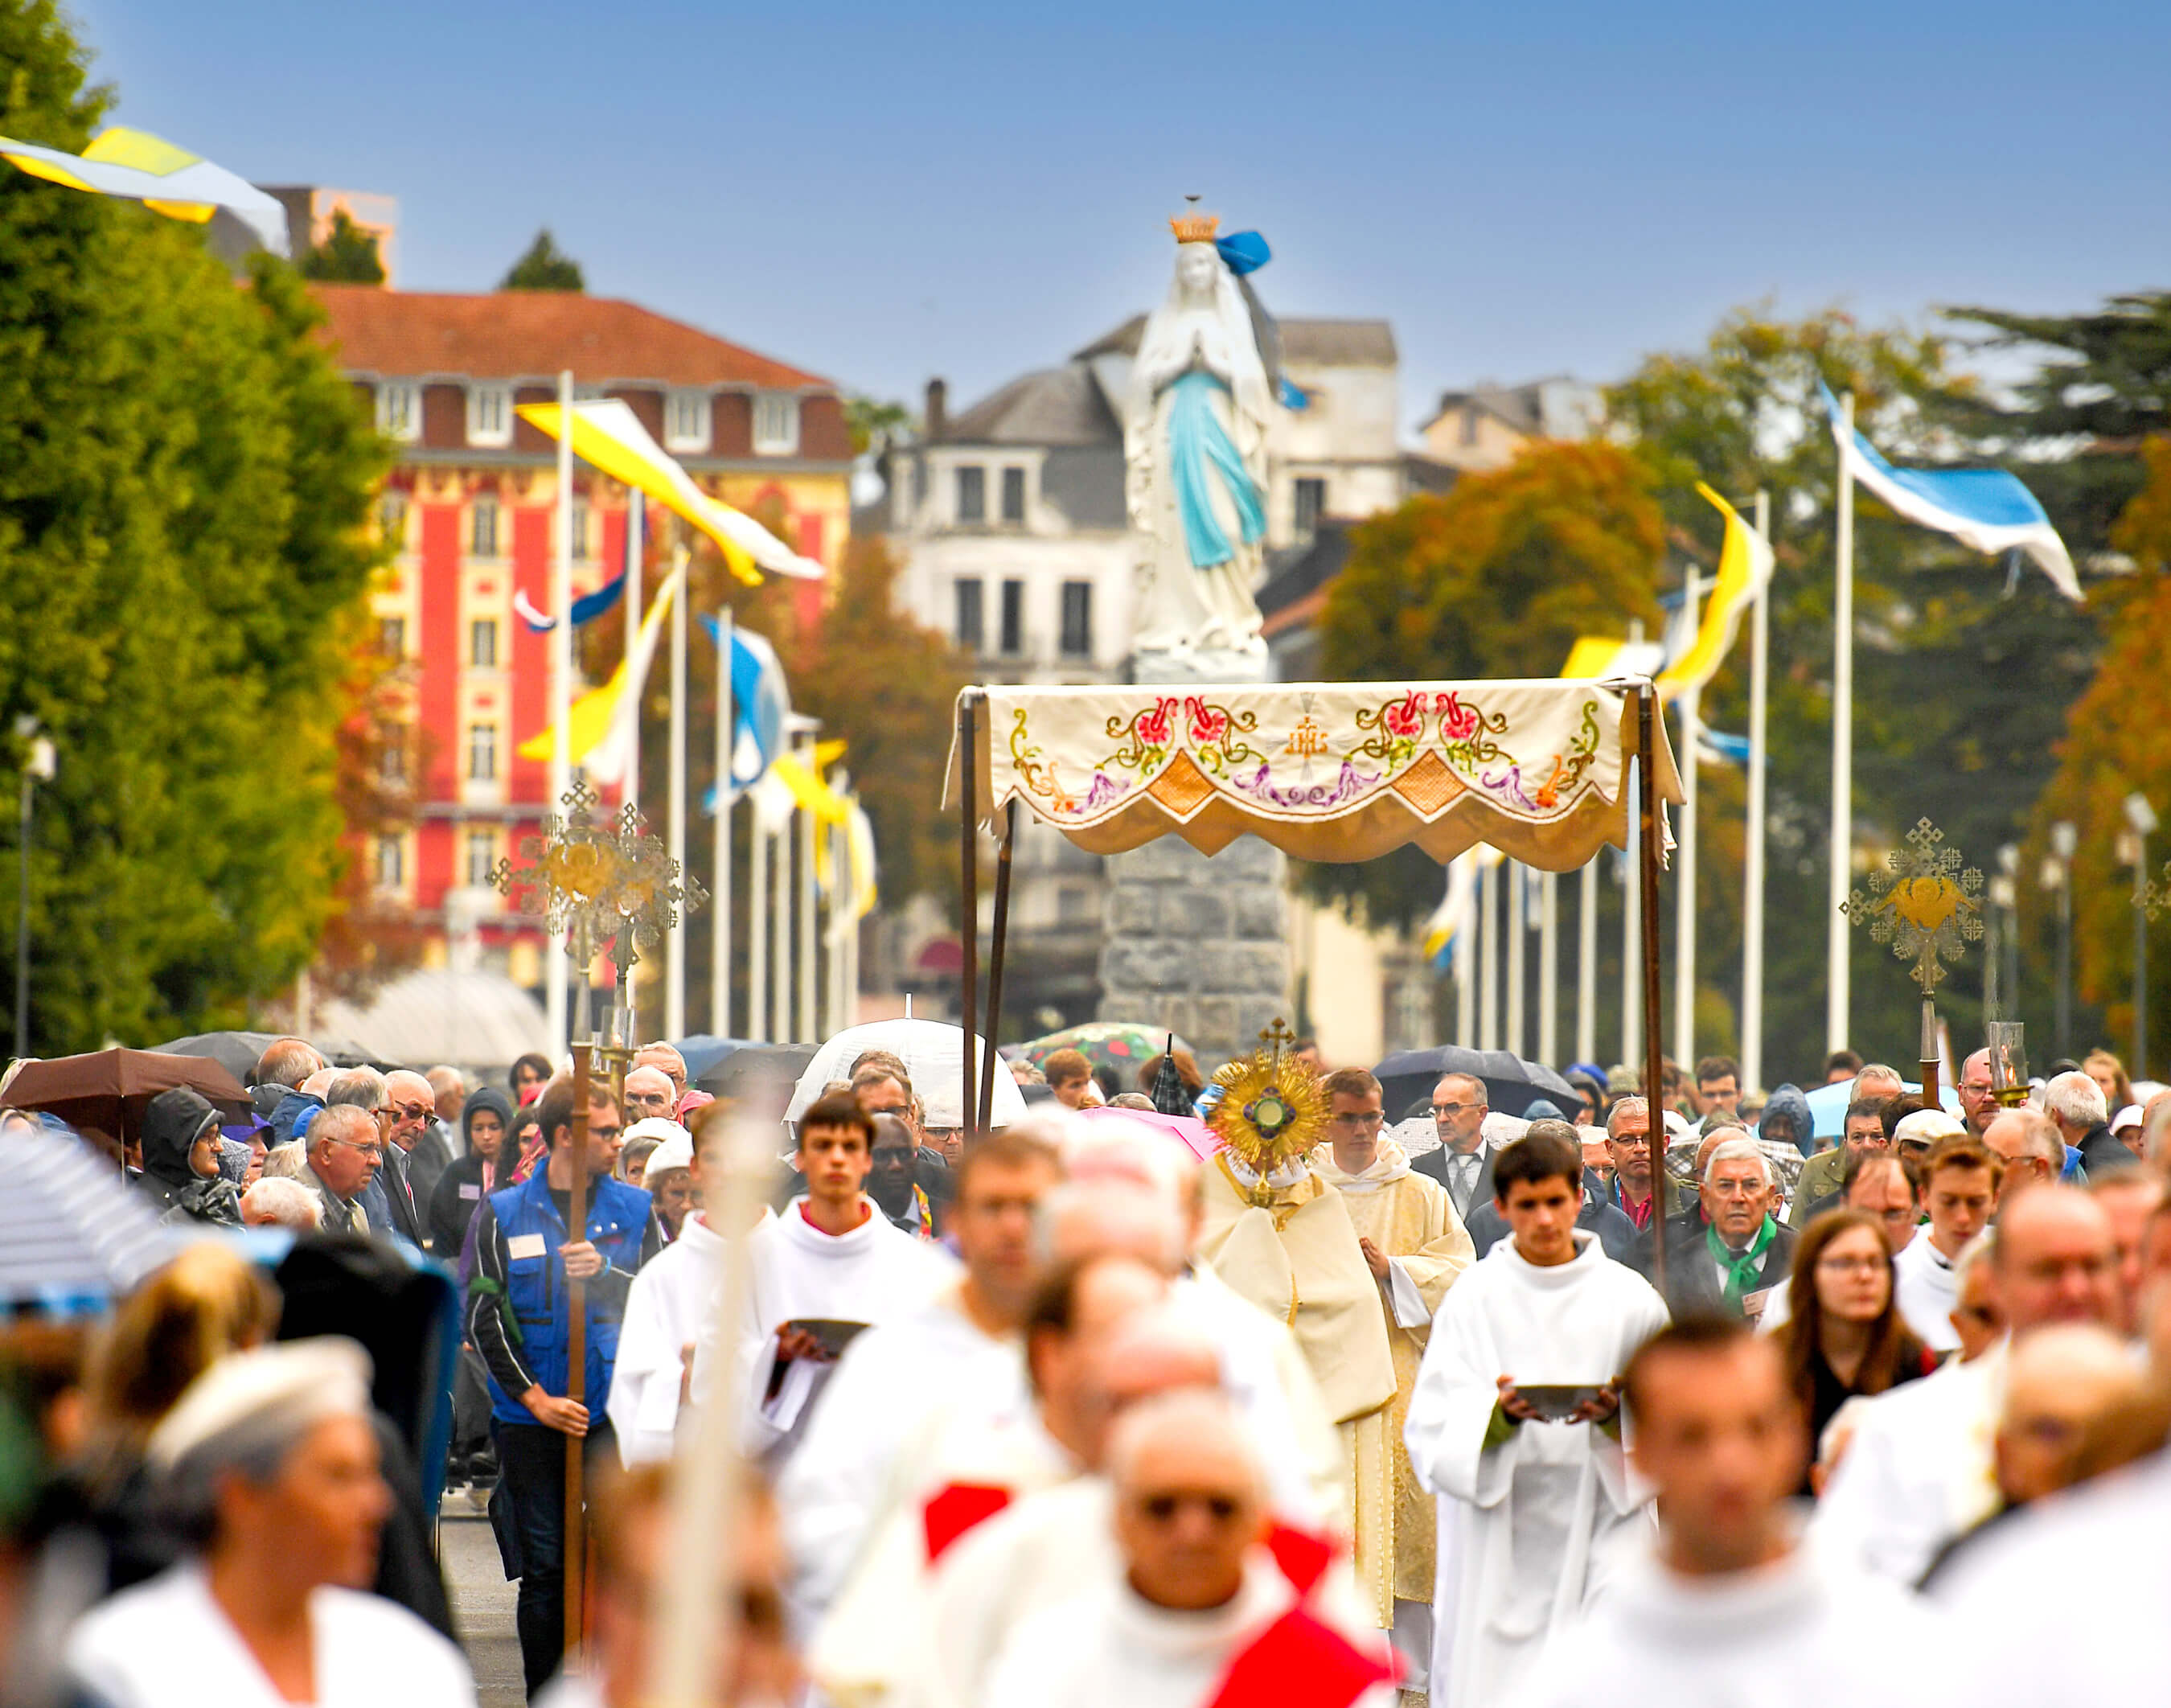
1923,904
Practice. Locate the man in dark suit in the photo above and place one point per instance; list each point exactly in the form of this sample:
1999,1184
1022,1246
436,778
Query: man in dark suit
1729,1264
1463,1163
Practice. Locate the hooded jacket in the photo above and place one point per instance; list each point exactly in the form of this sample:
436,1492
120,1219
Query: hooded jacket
460,1191
1788,1102
172,1123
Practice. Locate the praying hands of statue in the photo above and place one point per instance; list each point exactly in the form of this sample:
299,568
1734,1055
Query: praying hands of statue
1375,1259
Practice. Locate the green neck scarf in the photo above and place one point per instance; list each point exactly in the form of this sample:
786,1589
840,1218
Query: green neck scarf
1741,1270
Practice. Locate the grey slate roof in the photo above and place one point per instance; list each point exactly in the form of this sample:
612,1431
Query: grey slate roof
1055,407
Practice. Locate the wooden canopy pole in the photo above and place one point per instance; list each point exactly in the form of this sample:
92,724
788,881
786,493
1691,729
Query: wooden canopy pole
968,892
1647,710
576,1347
997,941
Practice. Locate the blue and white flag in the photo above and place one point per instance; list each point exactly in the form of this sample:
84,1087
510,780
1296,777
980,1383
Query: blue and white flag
761,700
1986,508
1449,927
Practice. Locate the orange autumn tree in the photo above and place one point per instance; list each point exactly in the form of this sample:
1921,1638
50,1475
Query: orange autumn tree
2118,740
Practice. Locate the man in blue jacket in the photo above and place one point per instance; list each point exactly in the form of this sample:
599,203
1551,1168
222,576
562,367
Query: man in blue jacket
519,1320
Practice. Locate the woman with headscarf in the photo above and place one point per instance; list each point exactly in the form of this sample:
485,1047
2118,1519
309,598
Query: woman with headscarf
485,1118
181,1173
269,1464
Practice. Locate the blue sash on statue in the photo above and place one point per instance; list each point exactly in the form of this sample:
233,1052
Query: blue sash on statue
1199,446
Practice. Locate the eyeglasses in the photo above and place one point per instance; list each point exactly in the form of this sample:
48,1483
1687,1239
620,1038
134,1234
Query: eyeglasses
375,1150
410,1111
1736,1189
1359,1118
1631,1142
1851,1266
1162,1508
1451,1109
604,1135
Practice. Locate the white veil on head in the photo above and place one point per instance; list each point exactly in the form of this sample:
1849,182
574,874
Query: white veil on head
1164,345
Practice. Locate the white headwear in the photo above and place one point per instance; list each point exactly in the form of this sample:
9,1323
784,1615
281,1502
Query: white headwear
273,1393
661,1128
676,1152
1927,1127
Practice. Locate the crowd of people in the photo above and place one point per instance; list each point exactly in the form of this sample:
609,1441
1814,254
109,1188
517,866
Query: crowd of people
1649,1396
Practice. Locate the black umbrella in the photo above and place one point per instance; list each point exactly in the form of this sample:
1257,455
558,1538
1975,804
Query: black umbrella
1511,1083
234,1052
1169,1096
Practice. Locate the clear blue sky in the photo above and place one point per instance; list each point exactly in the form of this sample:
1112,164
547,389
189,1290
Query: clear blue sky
882,193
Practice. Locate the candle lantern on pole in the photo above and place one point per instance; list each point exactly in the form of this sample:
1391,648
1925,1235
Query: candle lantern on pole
605,883
1927,907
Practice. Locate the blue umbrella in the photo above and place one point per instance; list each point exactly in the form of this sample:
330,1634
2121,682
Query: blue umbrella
1828,1105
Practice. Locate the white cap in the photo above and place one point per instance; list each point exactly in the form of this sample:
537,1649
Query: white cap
1926,1126
288,1389
2126,1119
674,1152
661,1128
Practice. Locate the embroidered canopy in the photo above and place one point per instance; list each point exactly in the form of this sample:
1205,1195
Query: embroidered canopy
1336,771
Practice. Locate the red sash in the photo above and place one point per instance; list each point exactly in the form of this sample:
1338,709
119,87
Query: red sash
1298,1663
956,1509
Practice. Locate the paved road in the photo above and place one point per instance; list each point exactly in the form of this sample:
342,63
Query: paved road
482,1606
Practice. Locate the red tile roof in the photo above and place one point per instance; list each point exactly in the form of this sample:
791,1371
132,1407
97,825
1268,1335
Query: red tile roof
523,334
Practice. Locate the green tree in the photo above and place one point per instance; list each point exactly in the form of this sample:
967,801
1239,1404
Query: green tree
185,480
2104,383
875,426
1963,673
347,257
1495,577
545,267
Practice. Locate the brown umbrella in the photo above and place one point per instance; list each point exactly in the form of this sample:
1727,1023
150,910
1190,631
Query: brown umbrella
110,1089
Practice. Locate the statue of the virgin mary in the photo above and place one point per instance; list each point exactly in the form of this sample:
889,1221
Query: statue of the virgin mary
1195,452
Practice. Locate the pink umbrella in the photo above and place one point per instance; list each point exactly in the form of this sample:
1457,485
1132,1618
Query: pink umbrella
1188,1130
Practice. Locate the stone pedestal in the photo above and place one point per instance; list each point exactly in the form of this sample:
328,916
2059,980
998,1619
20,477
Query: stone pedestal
1196,945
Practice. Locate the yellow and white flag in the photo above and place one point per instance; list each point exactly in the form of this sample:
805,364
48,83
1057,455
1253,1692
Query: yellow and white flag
600,736
136,166
609,436
1744,568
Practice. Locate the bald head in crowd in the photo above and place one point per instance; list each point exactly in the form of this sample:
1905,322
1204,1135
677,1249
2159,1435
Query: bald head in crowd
1191,1500
2056,1260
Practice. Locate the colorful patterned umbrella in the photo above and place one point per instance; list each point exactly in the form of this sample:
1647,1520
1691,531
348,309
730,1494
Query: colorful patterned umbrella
1112,1044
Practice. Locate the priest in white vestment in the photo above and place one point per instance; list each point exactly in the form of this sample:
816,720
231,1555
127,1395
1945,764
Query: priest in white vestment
671,1300
831,1265
272,1457
1416,1246
960,1355
1727,1605
1529,1508
1283,1239
1193,1610
1921,1467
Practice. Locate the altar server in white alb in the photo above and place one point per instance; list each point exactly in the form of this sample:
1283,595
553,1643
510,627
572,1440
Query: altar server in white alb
269,1466
1531,1488
668,1305
832,1258
1730,1606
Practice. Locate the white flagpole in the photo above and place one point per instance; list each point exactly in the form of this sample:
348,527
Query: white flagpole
1632,933
1752,911
1586,964
1518,933
1466,966
756,927
1843,727
1549,968
630,790
720,904
1684,923
779,928
1488,956
674,959
561,695
806,986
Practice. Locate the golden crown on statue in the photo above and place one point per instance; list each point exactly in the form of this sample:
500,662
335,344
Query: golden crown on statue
1194,226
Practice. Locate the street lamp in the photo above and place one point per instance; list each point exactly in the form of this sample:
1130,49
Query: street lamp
2058,875
2139,824
39,763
